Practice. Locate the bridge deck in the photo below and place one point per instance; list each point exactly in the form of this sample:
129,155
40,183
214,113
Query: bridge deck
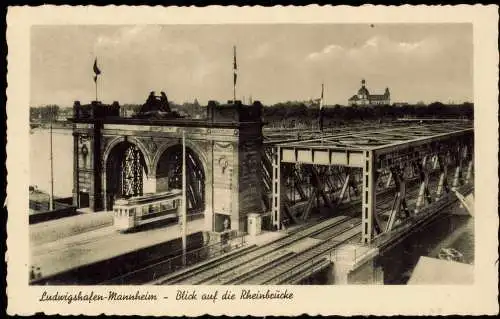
367,137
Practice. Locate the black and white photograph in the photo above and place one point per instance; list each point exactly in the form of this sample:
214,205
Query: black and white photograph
252,154
268,155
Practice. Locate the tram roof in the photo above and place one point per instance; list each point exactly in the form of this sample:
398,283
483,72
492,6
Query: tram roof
369,137
150,197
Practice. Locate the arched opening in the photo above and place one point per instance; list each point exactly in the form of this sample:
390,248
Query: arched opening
126,172
169,176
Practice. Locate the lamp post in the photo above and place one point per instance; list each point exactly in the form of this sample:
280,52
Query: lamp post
51,195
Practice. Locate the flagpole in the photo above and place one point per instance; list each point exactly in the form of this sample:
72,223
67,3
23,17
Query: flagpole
51,197
235,68
97,72
321,108
184,204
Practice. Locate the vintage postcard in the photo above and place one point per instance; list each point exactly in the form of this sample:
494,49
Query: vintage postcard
252,161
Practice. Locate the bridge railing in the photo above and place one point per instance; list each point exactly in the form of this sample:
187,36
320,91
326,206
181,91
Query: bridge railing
170,265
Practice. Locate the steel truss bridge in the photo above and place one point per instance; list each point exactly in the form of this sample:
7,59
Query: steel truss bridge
410,166
377,182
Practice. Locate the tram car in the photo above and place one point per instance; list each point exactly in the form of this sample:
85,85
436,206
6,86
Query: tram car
140,210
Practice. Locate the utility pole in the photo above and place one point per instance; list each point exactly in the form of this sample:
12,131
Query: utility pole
51,196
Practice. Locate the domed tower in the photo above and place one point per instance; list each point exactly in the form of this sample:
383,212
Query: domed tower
363,92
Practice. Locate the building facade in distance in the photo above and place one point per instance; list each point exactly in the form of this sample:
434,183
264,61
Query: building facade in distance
363,97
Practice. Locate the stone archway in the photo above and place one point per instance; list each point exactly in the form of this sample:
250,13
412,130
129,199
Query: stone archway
126,172
169,176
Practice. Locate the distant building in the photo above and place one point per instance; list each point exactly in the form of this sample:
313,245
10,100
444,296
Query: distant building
365,98
64,114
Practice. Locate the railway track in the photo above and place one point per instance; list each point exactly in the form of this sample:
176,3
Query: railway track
242,274
198,275
299,263
162,267
281,272
253,256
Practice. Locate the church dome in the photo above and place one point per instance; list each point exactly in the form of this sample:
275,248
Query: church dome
363,90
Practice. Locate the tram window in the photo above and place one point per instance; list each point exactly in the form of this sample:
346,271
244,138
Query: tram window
145,209
131,212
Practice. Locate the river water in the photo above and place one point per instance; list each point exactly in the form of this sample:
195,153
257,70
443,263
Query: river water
62,146
450,231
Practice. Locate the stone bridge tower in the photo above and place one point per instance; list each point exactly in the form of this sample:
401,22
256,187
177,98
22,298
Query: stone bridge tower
224,151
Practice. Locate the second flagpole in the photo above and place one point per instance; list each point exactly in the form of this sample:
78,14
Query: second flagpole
97,72
235,74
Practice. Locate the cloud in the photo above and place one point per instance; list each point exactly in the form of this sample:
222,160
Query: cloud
375,46
326,51
409,46
127,35
372,43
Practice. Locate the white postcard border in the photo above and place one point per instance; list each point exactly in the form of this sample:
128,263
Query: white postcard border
480,298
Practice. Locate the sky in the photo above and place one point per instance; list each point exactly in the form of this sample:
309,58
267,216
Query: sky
276,62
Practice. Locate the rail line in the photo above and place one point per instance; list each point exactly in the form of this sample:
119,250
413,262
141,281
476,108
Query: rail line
197,275
244,273
280,260
254,256
161,268
277,274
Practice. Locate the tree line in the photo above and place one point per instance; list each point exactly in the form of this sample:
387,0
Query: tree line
45,113
293,113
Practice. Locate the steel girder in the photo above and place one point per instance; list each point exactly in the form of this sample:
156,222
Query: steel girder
302,187
408,166
419,152
399,208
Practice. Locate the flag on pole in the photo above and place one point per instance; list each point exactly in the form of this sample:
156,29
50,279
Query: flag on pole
321,108
96,70
235,66
321,100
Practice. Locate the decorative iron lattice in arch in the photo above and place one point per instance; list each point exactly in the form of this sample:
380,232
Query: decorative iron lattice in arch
132,174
